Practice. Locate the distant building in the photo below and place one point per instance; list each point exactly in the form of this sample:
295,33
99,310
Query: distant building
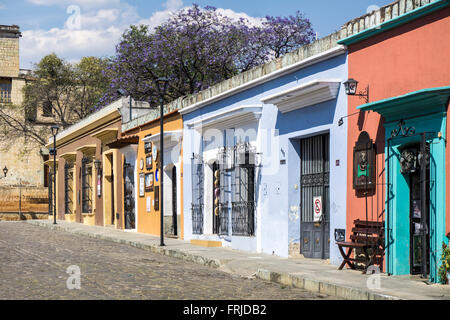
25,166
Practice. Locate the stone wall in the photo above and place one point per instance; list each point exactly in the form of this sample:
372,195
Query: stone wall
24,161
34,199
9,51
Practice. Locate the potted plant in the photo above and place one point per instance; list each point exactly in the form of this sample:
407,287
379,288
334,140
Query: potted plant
444,269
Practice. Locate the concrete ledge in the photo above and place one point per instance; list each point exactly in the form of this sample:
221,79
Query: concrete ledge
319,286
206,243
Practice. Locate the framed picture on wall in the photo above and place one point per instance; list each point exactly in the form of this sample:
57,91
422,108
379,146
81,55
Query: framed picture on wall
141,185
147,146
148,162
149,181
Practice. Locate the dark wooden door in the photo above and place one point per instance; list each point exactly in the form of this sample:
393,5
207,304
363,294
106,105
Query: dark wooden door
314,182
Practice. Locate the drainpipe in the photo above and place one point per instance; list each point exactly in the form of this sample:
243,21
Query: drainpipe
423,190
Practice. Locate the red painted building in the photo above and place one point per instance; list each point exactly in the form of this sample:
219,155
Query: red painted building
405,63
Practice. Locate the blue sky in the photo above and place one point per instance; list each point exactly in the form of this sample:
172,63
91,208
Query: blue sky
47,26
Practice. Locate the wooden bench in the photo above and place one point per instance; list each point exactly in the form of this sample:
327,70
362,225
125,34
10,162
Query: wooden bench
369,237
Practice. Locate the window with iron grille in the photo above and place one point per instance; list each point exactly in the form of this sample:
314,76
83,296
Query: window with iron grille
68,188
224,159
86,185
197,194
243,191
5,91
47,109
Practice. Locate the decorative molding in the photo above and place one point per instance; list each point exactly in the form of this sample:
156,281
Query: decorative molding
304,95
228,118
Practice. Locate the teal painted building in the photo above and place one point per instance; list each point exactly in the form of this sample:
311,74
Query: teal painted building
409,119
403,60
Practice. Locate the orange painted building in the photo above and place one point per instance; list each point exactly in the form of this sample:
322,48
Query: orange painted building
405,63
147,180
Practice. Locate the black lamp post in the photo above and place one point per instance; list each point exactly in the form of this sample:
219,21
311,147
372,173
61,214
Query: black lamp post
55,129
161,85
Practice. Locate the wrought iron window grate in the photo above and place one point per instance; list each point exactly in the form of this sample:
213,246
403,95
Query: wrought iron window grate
68,188
243,191
86,185
197,194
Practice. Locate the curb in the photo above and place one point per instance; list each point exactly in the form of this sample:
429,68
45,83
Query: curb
317,286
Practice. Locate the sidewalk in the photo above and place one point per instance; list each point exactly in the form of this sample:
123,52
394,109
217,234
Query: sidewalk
312,275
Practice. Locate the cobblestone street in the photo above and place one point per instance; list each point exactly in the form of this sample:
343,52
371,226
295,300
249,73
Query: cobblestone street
34,261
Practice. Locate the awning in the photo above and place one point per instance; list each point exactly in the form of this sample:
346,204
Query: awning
171,138
123,142
417,103
228,118
304,95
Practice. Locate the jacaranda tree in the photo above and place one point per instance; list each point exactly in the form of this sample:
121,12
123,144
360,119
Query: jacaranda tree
198,47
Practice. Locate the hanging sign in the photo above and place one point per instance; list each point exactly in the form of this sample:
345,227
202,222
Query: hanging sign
99,186
317,208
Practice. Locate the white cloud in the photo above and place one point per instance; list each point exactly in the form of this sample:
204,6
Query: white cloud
102,24
237,15
84,4
160,17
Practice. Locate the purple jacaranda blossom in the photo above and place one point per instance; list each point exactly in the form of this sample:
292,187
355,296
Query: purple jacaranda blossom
197,48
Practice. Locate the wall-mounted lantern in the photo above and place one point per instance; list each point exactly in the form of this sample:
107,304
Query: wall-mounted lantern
364,162
98,168
351,87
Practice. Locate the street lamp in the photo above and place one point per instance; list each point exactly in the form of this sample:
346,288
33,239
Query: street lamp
54,129
161,85
351,86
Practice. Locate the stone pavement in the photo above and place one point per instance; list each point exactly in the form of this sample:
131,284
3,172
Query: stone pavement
312,275
34,262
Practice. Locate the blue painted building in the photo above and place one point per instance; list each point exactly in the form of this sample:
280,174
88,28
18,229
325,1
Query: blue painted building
264,156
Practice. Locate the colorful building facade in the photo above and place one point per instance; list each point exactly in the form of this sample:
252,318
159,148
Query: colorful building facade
147,183
88,193
403,62
264,156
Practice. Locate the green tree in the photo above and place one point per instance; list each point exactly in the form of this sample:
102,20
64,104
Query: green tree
59,93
